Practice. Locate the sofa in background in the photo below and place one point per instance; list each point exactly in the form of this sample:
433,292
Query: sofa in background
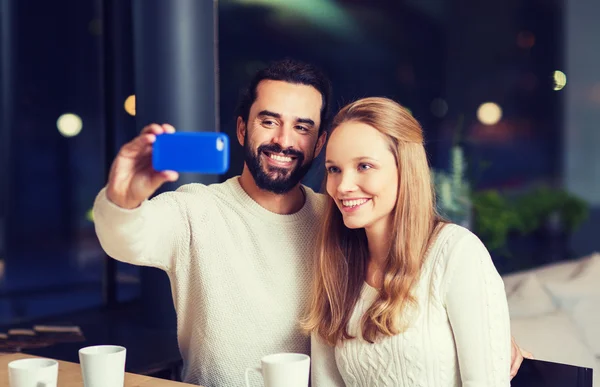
555,311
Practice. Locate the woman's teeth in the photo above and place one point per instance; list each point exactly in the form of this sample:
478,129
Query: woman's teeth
354,203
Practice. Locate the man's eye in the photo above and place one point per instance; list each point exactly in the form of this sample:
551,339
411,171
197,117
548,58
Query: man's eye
302,128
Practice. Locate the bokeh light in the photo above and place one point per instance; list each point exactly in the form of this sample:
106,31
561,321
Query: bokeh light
560,80
489,113
130,105
439,107
89,215
69,124
525,39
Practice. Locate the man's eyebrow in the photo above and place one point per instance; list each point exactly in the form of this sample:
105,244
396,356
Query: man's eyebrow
305,121
269,113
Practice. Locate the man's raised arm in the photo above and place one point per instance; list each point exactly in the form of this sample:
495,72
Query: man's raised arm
130,227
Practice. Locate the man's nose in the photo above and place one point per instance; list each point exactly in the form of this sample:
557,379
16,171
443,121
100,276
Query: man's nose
283,137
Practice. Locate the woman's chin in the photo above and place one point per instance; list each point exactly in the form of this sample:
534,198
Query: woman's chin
353,224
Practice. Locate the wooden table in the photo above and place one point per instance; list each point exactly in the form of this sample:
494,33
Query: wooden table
69,374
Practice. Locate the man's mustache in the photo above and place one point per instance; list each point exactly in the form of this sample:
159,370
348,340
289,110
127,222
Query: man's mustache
275,148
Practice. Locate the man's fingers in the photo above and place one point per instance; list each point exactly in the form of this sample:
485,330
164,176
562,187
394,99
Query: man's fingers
513,349
138,147
158,129
168,128
147,139
140,143
170,175
146,150
516,357
515,365
527,354
143,142
159,178
153,128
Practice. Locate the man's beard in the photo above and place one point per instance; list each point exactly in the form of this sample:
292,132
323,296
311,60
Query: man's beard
270,178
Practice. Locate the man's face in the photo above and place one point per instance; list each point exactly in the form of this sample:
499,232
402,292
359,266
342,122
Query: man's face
281,137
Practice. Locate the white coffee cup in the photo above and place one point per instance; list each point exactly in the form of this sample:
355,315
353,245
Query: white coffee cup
103,365
283,370
33,373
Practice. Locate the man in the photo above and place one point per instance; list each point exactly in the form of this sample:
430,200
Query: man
238,254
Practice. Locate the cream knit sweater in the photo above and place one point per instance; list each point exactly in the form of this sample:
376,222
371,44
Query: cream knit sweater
459,334
240,275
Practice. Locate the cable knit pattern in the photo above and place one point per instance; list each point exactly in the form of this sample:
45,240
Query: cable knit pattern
459,331
240,275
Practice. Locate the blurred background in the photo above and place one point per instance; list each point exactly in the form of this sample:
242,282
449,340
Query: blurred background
508,93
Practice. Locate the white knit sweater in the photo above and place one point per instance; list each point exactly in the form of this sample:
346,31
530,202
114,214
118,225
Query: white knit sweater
240,275
459,334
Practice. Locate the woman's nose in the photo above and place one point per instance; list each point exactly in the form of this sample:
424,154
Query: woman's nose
347,183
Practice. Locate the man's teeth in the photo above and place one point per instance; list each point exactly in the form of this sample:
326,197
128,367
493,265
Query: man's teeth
354,203
280,158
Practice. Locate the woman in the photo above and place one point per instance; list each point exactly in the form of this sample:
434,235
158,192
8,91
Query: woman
401,297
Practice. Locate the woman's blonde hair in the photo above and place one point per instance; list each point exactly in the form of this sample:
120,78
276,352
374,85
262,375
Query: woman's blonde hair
342,253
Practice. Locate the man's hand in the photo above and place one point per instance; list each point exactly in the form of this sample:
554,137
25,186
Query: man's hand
132,178
517,355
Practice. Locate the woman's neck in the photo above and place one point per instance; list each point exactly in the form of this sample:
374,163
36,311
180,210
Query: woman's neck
379,239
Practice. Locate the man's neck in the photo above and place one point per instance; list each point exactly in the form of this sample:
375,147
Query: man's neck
284,204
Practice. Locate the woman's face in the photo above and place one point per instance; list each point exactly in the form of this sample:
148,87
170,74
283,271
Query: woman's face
362,175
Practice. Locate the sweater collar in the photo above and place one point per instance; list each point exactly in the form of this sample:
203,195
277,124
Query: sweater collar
245,200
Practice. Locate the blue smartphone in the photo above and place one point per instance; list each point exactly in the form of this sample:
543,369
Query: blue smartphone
199,152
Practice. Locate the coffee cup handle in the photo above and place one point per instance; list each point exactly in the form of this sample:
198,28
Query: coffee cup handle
255,369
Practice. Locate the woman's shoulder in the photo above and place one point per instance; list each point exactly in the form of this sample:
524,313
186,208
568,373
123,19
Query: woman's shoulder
451,237
452,245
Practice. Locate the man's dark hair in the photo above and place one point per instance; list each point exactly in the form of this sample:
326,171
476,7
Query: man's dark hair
291,71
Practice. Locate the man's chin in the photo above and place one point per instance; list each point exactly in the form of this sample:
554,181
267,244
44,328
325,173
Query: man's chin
278,175
277,171
276,186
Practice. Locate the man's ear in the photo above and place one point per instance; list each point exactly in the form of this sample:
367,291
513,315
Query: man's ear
320,142
241,130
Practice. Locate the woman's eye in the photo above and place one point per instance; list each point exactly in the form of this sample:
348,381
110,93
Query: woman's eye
364,167
332,169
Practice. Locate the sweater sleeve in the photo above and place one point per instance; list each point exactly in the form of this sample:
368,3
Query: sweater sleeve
149,235
478,313
324,371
